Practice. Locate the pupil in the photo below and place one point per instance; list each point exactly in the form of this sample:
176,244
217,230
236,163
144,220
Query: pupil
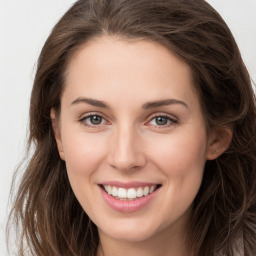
95,119
161,120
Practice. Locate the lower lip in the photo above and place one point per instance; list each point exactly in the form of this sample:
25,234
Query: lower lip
127,206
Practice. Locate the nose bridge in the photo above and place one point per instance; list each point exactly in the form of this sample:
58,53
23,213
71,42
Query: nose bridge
126,151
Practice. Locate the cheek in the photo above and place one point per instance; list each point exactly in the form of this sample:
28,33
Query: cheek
180,154
181,160
83,152
83,156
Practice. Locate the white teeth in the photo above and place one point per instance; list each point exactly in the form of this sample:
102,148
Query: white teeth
114,191
146,191
108,189
122,193
152,189
139,192
131,193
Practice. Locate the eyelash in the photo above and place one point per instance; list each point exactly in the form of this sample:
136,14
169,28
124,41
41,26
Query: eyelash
170,119
83,120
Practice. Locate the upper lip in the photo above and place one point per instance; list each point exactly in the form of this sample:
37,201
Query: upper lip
133,184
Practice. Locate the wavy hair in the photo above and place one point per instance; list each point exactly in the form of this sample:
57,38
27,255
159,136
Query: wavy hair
223,219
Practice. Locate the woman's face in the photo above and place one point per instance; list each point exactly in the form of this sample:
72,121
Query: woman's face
133,137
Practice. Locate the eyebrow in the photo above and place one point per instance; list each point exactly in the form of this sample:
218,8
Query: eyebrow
147,105
160,103
93,102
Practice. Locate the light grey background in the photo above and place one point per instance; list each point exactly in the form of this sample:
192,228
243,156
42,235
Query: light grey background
24,26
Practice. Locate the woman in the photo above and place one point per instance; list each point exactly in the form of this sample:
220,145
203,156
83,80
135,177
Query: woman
143,119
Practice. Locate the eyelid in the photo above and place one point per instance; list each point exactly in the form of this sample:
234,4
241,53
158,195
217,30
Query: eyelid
93,113
83,117
172,118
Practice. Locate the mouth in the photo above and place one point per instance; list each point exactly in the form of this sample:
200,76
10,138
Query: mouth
131,193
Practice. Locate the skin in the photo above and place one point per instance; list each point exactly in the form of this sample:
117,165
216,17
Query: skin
128,144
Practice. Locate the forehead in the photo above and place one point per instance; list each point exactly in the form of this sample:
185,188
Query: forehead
133,67
112,50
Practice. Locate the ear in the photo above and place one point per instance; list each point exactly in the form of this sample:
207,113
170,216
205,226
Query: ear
56,129
219,141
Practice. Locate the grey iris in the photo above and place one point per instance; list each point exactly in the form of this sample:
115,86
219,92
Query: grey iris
160,120
96,120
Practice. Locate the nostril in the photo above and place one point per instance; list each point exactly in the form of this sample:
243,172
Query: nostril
125,154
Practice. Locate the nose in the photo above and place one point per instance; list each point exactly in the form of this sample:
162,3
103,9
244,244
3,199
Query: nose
126,150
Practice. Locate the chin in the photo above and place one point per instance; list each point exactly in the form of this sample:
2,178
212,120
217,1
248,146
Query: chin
131,235
130,232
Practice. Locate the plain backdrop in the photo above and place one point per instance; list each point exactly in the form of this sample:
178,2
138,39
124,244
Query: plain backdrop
24,26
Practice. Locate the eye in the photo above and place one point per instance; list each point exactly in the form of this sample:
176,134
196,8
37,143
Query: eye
162,120
93,120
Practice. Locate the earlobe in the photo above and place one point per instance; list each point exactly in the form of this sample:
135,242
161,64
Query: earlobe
56,129
219,142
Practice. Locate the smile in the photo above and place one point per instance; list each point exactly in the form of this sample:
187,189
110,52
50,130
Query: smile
127,198
130,193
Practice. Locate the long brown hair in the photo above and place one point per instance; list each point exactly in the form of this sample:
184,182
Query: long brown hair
223,218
